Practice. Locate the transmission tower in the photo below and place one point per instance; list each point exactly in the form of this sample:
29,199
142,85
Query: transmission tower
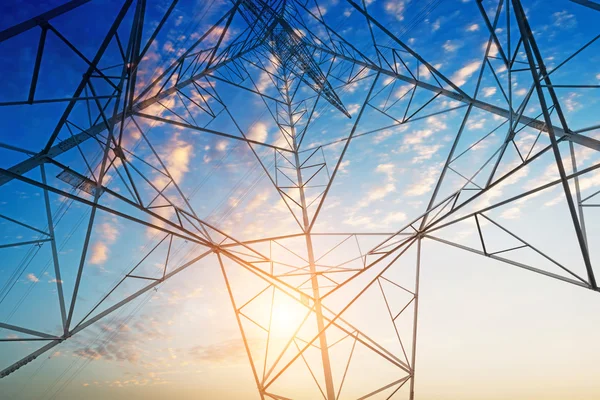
104,157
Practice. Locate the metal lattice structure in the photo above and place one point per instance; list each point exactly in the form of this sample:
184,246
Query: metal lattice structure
284,53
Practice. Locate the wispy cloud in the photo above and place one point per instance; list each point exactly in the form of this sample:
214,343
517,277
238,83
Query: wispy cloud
461,76
424,182
489,91
230,351
564,20
451,46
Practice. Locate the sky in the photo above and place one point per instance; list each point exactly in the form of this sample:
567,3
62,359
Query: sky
486,330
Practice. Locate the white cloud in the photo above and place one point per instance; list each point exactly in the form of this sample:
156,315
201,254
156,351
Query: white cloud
424,72
416,137
343,166
258,132
450,46
264,81
424,152
402,90
395,217
475,124
424,182
353,108
493,49
396,8
564,20
460,77
555,200
521,92
377,193
32,278
436,123
380,192
221,145
511,213
489,91
99,253
108,232
570,103
176,157
472,28
387,169
315,10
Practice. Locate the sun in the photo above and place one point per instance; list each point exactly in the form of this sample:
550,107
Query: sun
287,316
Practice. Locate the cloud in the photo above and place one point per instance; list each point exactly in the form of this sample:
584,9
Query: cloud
230,351
450,46
414,142
424,72
489,91
402,90
424,152
555,200
493,49
511,213
380,192
472,28
343,165
107,234
424,182
387,169
353,108
475,124
126,338
221,145
395,217
377,193
396,8
521,92
258,200
564,20
214,36
315,10
99,253
570,103
417,136
176,157
487,199
32,278
176,297
460,77
265,81
258,132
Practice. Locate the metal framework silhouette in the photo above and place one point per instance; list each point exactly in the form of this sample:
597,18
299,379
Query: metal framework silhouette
308,65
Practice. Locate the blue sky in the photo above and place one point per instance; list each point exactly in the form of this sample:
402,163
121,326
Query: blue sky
483,323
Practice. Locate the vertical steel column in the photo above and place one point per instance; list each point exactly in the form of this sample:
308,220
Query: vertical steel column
415,320
311,257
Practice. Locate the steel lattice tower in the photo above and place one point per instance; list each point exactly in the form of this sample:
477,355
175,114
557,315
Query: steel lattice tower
308,65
